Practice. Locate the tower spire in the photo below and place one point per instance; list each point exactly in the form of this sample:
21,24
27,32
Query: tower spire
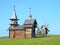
30,15
14,8
14,14
14,20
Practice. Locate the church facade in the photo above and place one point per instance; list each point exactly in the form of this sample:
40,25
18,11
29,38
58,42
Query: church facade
27,30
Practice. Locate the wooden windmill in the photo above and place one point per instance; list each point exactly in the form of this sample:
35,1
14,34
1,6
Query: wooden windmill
44,29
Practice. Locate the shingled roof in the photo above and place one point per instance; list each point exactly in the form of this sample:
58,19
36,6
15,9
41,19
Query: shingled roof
17,27
11,28
29,21
28,25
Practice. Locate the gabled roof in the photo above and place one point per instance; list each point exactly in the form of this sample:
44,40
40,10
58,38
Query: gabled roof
31,21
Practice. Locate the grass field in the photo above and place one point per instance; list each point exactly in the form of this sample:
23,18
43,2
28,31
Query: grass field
51,40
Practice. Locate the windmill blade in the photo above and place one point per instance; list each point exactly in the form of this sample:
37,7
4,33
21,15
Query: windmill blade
47,26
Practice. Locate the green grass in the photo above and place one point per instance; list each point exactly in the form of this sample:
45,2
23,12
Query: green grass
50,40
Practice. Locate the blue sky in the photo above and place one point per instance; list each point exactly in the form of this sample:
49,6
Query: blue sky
45,11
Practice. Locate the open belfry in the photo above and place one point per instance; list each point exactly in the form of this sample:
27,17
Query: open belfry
27,30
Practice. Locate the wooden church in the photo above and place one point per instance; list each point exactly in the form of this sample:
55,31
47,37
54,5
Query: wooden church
27,30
